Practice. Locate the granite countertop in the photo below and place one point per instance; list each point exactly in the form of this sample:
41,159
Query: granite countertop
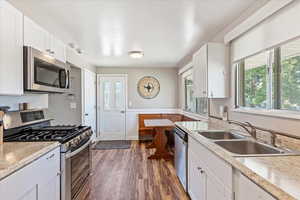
280,175
15,155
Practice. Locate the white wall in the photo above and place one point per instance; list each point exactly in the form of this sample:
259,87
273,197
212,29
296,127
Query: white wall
167,97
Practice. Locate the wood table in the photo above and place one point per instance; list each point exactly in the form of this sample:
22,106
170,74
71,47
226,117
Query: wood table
160,139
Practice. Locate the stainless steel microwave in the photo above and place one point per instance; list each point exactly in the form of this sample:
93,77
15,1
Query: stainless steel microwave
44,73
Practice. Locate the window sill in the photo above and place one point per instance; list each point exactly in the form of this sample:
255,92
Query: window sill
270,113
194,115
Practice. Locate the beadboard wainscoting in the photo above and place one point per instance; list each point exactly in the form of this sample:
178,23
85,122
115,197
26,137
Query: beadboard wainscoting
132,132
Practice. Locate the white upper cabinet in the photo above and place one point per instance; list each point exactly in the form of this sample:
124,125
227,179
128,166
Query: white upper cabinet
210,71
11,50
37,37
58,49
200,72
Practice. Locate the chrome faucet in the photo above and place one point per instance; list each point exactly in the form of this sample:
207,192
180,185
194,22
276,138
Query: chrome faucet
251,130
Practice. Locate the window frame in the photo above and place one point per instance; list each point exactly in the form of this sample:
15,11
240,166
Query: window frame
197,102
275,110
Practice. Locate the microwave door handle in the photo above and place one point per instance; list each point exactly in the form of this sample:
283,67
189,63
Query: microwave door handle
68,79
65,80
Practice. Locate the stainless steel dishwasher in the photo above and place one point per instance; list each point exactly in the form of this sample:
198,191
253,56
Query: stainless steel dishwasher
181,156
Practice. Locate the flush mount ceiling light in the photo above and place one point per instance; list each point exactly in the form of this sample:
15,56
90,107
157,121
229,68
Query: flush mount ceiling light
136,54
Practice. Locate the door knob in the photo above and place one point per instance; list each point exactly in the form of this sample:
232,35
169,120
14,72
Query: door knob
122,112
86,114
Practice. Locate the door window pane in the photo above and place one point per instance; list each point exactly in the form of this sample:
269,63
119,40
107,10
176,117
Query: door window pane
254,81
290,76
107,95
118,95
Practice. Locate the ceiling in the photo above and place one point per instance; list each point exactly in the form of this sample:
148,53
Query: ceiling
166,30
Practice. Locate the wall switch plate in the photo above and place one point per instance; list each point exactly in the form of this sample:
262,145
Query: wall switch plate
73,105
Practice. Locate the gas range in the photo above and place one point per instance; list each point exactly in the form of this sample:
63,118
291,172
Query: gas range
69,136
32,126
75,157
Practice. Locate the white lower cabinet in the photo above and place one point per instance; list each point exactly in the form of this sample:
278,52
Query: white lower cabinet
40,180
245,189
196,177
210,178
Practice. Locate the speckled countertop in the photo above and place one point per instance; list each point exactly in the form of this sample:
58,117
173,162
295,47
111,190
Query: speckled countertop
280,176
15,155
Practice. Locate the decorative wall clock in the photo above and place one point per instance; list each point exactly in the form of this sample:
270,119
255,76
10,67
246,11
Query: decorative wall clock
148,87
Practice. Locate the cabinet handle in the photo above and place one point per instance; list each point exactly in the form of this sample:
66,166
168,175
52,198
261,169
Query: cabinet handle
201,170
58,173
52,155
48,50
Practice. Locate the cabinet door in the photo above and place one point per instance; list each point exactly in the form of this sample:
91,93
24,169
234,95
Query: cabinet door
30,195
247,190
35,36
197,179
218,80
49,184
200,72
11,50
58,49
215,189
50,190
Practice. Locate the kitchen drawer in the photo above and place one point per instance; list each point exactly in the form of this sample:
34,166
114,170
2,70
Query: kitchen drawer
212,163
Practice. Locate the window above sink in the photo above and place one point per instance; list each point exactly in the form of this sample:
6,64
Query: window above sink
268,83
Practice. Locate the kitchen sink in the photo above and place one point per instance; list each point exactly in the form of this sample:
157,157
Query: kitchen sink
221,135
252,148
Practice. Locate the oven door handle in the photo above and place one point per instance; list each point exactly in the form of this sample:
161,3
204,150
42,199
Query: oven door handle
71,154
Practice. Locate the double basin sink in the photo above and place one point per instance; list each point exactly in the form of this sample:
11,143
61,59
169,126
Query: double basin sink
239,145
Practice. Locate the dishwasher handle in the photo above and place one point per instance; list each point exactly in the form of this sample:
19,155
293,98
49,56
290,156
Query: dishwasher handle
180,133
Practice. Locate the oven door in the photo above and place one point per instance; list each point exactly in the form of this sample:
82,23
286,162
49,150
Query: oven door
76,169
44,73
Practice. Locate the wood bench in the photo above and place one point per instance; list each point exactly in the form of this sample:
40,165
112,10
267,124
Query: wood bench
146,134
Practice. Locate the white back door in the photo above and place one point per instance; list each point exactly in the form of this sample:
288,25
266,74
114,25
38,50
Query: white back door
112,106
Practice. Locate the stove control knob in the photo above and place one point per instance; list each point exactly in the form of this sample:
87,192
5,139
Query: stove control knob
75,142
66,146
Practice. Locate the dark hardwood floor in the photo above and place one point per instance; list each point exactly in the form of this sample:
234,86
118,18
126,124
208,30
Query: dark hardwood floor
129,175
